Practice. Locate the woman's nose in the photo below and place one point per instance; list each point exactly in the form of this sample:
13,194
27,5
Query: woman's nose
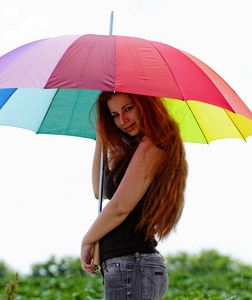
123,119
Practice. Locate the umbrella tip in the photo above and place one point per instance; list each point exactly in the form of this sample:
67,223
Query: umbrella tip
111,23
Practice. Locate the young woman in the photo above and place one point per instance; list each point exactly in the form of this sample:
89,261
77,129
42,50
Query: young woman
145,176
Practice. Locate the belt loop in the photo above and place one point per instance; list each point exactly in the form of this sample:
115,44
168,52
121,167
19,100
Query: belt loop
137,256
104,266
161,256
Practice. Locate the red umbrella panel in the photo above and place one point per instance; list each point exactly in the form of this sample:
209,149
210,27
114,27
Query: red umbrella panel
78,67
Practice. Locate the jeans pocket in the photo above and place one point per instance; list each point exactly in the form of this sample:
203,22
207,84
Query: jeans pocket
115,282
154,282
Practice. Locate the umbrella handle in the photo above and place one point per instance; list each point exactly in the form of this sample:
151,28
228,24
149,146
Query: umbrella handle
96,256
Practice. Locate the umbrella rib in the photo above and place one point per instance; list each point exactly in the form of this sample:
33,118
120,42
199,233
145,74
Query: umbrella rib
196,121
74,107
166,62
235,126
47,111
8,99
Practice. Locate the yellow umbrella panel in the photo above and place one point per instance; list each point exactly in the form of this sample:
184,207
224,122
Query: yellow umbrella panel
203,123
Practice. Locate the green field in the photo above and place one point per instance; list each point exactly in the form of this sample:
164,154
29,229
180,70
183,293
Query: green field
208,275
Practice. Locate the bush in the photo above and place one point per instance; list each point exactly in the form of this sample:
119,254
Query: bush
54,267
4,270
206,276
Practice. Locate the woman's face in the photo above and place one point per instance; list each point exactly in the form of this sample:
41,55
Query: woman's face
125,113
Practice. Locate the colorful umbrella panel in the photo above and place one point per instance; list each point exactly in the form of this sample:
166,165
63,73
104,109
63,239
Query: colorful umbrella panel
49,86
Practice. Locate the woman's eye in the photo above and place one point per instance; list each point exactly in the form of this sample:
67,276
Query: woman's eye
114,115
128,108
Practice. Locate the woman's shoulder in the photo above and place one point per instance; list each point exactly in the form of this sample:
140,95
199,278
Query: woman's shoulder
147,143
148,148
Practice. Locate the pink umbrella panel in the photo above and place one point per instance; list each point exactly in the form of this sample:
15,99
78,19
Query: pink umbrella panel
49,86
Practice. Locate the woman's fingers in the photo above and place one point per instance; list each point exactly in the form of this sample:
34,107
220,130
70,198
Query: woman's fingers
90,268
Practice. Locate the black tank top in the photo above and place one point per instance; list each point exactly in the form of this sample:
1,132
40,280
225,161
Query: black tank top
124,239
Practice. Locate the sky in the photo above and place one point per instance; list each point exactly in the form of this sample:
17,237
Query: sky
46,201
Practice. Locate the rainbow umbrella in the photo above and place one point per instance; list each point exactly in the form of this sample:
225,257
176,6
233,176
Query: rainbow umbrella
49,86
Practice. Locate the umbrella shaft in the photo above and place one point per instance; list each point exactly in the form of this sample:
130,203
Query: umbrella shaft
101,184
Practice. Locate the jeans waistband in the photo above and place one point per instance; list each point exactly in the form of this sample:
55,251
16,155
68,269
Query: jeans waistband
135,257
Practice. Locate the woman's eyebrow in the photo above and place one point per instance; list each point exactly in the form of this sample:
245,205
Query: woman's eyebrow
126,105
114,112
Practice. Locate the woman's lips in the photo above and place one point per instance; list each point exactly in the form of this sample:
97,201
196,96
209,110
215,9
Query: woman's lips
129,128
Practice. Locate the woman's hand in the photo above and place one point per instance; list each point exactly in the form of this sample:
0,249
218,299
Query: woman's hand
87,252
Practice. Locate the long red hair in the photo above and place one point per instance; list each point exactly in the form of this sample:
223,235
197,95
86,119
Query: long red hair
164,201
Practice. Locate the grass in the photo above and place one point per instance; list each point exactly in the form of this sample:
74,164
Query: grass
206,276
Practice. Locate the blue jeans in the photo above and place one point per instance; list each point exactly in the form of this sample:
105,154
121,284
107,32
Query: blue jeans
138,276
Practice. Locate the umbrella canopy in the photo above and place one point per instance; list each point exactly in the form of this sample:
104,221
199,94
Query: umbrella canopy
49,86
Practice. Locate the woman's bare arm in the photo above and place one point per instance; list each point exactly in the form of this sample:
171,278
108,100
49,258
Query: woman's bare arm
132,188
96,166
